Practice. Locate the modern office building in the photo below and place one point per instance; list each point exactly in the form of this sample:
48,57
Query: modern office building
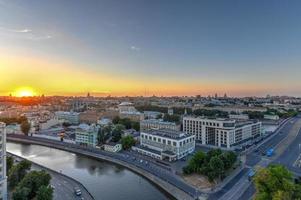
226,133
69,117
3,178
158,124
86,135
165,144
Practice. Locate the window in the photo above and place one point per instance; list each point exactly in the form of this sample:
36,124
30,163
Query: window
159,139
164,141
174,144
169,142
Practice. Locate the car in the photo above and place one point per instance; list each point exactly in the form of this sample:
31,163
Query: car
52,187
77,191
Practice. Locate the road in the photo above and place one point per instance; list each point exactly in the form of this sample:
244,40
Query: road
240,187
63,185
287,150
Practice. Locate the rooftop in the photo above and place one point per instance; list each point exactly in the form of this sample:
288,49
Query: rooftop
168,133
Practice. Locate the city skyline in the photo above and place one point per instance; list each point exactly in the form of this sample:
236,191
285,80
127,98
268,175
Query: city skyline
150,48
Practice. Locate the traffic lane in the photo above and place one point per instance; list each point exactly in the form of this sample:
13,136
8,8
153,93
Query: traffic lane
229,185
249,193
291,154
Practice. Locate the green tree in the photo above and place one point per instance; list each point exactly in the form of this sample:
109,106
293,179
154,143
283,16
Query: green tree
274,182
21,193
136,126
228,159
44,193
217,166
17,173
127,142
33,181
9,163
25,127
117,132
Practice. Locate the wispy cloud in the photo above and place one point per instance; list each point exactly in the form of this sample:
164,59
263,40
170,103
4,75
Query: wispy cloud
134,48
25,33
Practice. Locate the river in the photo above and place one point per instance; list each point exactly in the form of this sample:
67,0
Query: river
105,181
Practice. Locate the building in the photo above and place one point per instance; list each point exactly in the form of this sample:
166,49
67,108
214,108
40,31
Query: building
127,110
86,135
113,147
151,114
69,117
271,117
239,116
165,144
158,124
221,132
3,178
89,117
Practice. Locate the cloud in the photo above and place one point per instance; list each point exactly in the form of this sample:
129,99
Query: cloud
25,33
134,48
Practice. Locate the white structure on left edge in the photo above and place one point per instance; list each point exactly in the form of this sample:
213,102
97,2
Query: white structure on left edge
3,178
165,144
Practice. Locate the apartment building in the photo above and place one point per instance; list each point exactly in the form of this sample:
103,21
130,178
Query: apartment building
165,144
158,124
86,135
226,133
3,178
70,117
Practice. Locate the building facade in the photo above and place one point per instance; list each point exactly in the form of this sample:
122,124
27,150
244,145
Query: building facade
158,124
3,178
226,133
69,117
113,147
86,135
165,144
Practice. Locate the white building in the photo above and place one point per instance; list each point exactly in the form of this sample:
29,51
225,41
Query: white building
86,135
165,144
113,147
3,178
221,132
271,117
69,117
127,110
158,124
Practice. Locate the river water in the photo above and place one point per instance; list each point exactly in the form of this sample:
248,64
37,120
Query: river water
105,181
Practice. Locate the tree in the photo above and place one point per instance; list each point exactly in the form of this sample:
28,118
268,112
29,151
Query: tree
45,193
117,132
127,142
136,126
216,166
25,127
21,193
33,181
228,159
17,173
9,163
275,182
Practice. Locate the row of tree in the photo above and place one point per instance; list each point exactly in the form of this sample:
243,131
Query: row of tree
211,113
127,123
22,120
212,164
26,184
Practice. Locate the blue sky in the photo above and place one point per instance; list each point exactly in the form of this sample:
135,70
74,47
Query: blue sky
239,47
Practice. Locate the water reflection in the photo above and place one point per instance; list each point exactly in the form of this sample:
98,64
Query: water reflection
104,180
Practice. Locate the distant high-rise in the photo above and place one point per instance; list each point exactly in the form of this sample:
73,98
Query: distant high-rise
3,178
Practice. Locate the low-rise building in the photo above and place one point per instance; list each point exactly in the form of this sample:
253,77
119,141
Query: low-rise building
69,117
112,147
271,117
221,132
165,144
86,135
158,124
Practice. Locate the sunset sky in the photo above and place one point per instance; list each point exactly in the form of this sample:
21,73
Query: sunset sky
168,47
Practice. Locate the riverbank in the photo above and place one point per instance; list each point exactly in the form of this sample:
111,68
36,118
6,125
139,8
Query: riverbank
164,185
63,185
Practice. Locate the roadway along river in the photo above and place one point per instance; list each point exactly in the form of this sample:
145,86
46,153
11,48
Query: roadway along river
105,181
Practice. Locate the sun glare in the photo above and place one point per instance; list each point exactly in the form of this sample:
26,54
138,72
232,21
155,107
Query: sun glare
24,92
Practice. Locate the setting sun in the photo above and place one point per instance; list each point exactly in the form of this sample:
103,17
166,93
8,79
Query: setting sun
24,92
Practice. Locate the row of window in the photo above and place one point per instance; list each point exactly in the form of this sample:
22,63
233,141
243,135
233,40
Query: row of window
165,141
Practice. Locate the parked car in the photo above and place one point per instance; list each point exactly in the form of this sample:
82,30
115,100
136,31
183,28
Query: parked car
77,191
